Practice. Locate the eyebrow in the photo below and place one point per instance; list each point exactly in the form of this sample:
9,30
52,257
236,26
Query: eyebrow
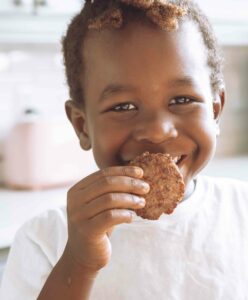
185,81
115,88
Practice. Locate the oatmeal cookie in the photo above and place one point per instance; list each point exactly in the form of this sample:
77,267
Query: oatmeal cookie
166,184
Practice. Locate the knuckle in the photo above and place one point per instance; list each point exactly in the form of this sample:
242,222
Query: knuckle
125,171
105,172
132,183
108,180
109,216
111,198
109,171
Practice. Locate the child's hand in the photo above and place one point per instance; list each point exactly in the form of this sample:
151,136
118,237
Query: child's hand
96,204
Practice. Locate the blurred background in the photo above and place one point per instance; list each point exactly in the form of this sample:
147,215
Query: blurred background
39,153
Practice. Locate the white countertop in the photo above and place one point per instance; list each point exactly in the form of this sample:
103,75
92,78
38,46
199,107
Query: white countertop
16,207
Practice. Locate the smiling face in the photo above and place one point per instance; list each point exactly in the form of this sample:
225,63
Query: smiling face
147,90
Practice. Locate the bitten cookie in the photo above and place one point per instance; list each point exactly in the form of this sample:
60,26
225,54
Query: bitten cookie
166,184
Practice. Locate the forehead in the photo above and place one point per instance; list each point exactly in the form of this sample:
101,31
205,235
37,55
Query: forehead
125,54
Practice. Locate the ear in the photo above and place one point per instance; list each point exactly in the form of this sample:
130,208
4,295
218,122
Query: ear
218,104
76,115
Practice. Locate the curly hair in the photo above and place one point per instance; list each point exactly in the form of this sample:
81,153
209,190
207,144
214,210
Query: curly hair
166,14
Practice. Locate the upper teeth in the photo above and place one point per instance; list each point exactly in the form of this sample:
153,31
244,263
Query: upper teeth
176,159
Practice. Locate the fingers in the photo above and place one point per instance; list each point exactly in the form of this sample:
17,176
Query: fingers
106,184
107,219
108,202
96,205
131,171
115,184
105,199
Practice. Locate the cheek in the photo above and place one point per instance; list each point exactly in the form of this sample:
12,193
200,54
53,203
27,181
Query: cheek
208,129
205,137
205,141
106,142
203,125
203,132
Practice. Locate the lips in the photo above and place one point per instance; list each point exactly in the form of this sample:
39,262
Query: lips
176,159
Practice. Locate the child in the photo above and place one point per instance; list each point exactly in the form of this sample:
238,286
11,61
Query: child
143,75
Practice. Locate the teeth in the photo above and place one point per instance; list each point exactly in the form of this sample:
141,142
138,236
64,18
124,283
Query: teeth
176,159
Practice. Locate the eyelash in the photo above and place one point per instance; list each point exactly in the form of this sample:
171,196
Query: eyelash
126,104
121,105
188,100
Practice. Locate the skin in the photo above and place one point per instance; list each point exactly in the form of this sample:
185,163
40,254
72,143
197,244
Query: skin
149,66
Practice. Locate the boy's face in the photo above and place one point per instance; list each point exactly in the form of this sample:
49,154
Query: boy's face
147,90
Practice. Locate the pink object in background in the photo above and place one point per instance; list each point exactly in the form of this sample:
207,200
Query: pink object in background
42,153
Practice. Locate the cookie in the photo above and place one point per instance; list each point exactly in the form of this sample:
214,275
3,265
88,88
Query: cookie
166,184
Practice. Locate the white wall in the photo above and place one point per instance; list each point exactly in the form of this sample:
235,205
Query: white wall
225,9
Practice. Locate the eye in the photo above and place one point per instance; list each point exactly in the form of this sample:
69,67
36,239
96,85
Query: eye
123,107
181,100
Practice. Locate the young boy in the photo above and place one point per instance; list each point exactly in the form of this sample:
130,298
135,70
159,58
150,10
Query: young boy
143,75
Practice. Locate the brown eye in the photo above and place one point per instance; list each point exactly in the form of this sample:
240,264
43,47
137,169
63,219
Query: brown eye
123,107
181,100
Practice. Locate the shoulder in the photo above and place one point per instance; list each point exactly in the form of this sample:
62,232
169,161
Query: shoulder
47,231
37,247
47,220
225,191
53,220
223,184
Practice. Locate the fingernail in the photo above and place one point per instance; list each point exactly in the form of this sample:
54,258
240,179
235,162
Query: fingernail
136,172
133,214
139,171
141,201
145,186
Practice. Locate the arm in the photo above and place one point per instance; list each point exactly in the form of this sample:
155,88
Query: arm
94,206
68,280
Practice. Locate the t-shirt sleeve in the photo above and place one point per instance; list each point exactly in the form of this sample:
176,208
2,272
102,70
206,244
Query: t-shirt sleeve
26,270
37,247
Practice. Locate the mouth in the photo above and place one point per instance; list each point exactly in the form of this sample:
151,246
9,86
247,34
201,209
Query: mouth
178,160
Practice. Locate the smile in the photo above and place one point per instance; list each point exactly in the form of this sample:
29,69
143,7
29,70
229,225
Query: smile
178,160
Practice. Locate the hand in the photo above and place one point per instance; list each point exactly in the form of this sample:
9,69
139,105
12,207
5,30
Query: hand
95,205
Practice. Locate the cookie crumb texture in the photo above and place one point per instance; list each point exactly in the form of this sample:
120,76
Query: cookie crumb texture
166,184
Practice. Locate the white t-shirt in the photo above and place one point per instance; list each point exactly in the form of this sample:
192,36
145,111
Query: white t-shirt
198,252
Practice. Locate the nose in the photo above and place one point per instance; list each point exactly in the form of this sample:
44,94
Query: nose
155,129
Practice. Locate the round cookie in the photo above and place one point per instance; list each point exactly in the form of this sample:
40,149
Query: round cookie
166,184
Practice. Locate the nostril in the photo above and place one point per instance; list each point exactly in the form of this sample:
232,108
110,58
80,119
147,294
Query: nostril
155,127
155,136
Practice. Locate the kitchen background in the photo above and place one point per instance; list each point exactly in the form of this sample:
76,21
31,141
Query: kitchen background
39,153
